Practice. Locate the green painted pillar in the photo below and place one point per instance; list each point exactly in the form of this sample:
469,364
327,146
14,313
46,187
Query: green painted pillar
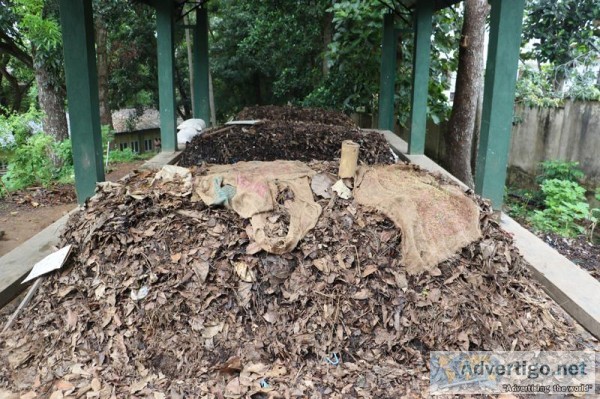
166,69
498,98
387,74
420,78
201,95
82,93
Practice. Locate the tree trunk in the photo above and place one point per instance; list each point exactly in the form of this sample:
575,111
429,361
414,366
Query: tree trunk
327,37
186,113
102,63
52,102
211,100
16,89
477,130
469,79
188,43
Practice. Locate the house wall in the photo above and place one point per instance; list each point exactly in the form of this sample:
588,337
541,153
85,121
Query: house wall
143,138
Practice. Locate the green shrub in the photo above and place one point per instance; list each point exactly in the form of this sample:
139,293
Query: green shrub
565,208
30,163
560,170
18,125
39,161
125,155
65,172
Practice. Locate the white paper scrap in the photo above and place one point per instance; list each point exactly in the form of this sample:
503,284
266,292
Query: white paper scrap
250,122
51,262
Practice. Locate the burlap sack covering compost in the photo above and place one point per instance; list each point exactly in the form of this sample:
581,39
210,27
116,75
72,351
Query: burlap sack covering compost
436,220
251,189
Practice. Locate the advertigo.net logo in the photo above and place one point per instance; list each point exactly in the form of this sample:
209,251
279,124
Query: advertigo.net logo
512,372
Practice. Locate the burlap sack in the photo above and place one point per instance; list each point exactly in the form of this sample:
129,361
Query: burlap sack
251,189
436,220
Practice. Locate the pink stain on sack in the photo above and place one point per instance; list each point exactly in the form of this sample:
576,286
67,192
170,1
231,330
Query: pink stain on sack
257,187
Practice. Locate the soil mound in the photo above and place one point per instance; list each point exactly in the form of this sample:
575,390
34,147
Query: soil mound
164,297
296,114
273,140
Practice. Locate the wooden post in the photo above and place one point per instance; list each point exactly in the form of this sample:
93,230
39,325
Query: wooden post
166,81
498,98
201,67
387,75
348,159
420,79
82,93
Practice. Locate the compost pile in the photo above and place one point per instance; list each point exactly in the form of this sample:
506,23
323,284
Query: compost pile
296,114
294,133
43,196
165,297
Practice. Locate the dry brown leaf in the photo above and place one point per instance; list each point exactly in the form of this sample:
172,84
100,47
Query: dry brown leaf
323,264
96,385
369,269
201,268
64,385
210,331
234,389
232,365
244,272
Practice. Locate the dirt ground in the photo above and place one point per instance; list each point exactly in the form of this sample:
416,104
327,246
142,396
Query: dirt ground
578,250
27,212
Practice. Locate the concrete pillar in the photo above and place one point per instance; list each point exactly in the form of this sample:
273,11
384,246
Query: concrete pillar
387,74
420,80
166,80
81,73
201,81
498,98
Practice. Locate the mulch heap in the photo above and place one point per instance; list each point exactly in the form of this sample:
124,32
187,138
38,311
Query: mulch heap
43,196
285,133
163,298
296,114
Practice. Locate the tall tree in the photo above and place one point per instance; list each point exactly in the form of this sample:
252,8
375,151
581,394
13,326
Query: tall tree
38,23
565,33
469,79
101,33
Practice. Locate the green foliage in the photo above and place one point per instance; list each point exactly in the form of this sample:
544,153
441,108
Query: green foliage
31,163
16,128
535,89
565,208
131,43
265,52
564,29
562,207
519,204
560,170
127,155
65,171
562,37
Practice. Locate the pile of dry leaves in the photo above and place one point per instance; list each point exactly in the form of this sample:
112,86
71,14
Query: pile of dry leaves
43,196
164,297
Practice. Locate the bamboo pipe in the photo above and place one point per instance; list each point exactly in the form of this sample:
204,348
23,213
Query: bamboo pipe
349,159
